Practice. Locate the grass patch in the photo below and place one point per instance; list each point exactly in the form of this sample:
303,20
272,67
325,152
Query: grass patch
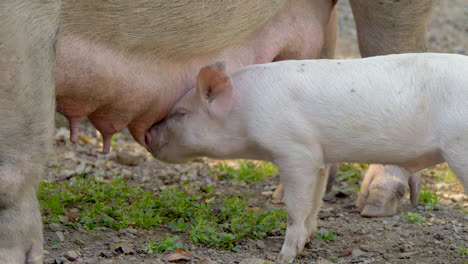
348,177
166,244
414,218
463,250
246,171
428,198
113,140
327,235
209,220
445,175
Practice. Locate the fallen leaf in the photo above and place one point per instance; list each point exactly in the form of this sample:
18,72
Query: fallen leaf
210,200
180,254
71,216
84,139
255,209
345,252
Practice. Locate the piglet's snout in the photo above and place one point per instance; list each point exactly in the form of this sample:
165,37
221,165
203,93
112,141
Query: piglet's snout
155,136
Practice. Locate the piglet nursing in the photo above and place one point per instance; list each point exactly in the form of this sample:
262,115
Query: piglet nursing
408,110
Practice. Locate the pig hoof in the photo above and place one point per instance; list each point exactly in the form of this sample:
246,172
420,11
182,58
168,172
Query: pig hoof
377,211
277,195
382,190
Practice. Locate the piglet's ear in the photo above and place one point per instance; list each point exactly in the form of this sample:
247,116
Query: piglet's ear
214,87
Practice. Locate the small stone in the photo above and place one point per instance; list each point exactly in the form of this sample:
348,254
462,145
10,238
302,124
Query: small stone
323,261
63,219
260,244
60,236
64,174
459,197
105,254
405,248
409,254
145,179
205,261
79,242
69,155
445,202
356,253
366,248
129,158
252,261
126,173
71,255
61,260
132,230
55,227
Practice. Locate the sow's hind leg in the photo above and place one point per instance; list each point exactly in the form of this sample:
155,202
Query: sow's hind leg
27,32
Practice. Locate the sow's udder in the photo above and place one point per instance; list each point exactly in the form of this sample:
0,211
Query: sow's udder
117,88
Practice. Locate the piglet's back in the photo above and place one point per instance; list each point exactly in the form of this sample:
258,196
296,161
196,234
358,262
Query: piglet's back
399,78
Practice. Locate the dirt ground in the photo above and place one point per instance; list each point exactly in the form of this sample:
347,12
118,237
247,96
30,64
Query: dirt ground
359,240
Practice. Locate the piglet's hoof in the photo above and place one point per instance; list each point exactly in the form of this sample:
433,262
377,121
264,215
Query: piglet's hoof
277,195
383,188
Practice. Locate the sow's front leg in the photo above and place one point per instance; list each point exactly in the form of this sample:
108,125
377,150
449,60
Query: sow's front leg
27,32
387,27
383,188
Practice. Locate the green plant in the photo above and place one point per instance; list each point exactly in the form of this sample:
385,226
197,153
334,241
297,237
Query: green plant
428,198
463,250
113,140
414,218
327,235
446,175
247,171
166,244
347,179
117,205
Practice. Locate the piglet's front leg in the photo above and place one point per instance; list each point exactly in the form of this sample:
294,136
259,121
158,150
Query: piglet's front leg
304,185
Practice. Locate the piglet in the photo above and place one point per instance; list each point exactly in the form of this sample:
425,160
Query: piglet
408,110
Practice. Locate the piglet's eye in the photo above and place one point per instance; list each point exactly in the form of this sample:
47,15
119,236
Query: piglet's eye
178,113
